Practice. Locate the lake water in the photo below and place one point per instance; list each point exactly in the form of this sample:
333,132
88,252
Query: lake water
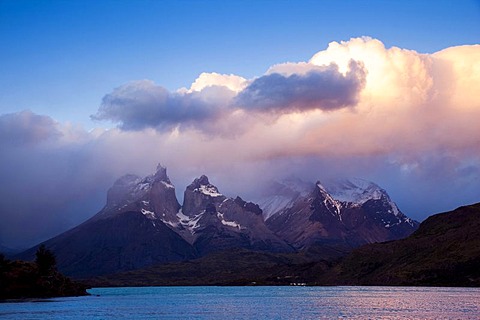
255,303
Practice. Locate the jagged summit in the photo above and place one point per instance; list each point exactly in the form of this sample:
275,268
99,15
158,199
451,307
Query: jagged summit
161,173
202,185
355,190
154,196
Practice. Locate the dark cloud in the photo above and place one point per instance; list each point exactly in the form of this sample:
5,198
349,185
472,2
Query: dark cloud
142,104
322,88
26,128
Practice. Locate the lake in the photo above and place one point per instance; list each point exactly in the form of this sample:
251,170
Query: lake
255,303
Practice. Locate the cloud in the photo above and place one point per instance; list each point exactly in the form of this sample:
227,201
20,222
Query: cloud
142,104
213,97
416,114
323,88
406,120
26,128
233,82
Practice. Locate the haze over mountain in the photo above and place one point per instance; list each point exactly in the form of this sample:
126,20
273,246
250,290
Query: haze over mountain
143,224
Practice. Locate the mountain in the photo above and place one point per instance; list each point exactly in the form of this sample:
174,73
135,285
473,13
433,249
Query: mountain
346,215
444,251
143,224
213,222
130,232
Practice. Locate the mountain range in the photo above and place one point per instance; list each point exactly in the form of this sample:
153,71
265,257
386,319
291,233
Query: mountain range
143,224
443,251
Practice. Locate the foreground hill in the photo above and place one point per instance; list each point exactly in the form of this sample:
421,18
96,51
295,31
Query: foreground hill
444,251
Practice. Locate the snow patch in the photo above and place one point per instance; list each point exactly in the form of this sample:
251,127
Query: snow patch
330,202
170,223
233,224
209,190
148,214
190,223
142,186
168,185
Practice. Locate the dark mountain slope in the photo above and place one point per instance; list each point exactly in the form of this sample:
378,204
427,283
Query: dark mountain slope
232,267
132,231
126,242
444,251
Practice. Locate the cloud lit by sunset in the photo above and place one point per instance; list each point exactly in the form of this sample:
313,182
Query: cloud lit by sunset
363,107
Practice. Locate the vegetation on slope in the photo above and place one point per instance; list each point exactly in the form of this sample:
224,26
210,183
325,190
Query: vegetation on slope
234,267
444,251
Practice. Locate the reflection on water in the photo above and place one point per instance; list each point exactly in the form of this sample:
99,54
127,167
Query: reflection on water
256,303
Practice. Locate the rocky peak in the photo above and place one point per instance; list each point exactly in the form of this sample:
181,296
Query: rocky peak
355,191
203,180
121,188
200,195
203,186
248,206
153,196
161,174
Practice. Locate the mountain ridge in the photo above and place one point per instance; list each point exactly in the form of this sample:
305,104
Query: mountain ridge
143,224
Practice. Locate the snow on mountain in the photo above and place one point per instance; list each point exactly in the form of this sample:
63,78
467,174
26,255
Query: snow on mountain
209,190
330,203
280,195
350,212
356,191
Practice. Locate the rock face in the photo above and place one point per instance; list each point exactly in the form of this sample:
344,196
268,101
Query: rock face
143,224
351,214
214,222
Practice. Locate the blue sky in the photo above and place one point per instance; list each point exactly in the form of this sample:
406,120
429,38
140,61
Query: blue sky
61,57
380,90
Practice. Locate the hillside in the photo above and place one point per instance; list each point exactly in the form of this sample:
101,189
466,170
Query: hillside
444,251
233,267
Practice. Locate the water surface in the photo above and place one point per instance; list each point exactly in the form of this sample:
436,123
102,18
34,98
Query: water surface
255,303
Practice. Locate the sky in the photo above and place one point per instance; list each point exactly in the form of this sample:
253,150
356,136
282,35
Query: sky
242,91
